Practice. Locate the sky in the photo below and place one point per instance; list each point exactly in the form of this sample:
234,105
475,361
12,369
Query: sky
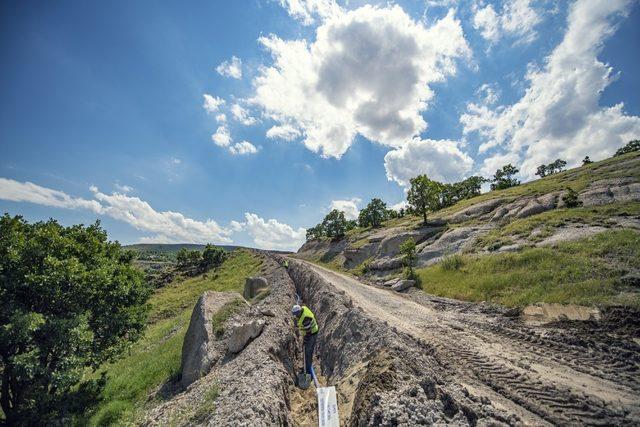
245,122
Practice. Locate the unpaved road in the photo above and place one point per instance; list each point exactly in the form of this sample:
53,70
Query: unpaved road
545,375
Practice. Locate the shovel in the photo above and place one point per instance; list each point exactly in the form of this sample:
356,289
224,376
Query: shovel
304,379
327,404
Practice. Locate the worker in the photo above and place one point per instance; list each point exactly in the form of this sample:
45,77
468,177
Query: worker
285,264
308,327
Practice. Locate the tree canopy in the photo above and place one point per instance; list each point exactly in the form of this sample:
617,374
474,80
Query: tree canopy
334,224
373,214
503,178
630,147
71,300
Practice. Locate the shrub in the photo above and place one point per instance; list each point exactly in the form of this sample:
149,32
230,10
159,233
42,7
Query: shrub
570,199
452,262
408,251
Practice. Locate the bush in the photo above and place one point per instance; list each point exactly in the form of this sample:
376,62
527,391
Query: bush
408,251
452,262
629,148
571,198
70,301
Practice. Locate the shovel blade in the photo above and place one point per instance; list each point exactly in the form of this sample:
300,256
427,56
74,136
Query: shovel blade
327,407
304,381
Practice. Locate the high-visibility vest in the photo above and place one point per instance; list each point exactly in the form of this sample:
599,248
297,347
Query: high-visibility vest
312,327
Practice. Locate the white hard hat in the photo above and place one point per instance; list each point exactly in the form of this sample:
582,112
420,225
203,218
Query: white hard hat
296,309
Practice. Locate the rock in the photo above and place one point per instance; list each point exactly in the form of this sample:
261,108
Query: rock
608,191
499,214
385,264
253,286
475,210
545,313
241,333
267,312
403,284
198,346
452,241
391,282
356,256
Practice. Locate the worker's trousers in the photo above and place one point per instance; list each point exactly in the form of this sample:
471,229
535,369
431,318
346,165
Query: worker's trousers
309,347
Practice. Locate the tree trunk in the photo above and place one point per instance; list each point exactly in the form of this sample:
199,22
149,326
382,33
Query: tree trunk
424,215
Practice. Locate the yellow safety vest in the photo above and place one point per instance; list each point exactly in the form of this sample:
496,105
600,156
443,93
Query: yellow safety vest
311,327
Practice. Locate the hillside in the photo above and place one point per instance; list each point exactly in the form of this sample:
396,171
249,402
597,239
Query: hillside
516,246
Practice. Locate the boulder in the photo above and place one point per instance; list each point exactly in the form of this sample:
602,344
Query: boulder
611,190
403,284
452,241
241,333
253,286
391,282
356,256
385,264
198,348
476,210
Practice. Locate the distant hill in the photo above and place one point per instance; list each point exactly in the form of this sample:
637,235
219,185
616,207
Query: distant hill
172,247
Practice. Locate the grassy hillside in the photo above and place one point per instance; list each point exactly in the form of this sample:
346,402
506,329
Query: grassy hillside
587,271
155,359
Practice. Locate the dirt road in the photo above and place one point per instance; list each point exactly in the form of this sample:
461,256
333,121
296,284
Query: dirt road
584,373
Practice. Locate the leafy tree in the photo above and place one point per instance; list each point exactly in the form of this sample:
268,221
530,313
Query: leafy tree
408,251
570,199
334,224
586,161
71,301
315,233
542,171
503,178
557,166
424,195
373,214
212,257
630,147
351,224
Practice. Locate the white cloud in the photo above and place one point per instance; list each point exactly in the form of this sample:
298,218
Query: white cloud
231,68
244,147
175,161
272,234
488,93
559,115
349,207
307,11
16,191
368,72
236,225
169,226
517,19
440,160
221,118
284,132
121,188
242,115
211,103
221,138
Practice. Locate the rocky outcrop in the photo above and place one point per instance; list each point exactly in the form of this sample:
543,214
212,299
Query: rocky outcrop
453,241
608,191
240,333
403,285
253,286
475,211
199,346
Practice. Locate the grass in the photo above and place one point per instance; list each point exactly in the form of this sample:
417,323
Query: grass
155,359
221,316
547,222
583,272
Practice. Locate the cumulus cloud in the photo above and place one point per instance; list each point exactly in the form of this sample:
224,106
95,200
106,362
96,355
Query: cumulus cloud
211,103
349,207
244,147
221,118
231,68
168,226
308,11
16,191
284,132
400,205
122,188
367,72
271,234
559,115
441,160
516,19
242,115
221,138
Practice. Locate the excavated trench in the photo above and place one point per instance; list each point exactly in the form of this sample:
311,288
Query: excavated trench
382,376
415,359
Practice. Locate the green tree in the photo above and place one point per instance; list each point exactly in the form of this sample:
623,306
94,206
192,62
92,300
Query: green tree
542,171
557,166
570,199
586,161
503,178
408,251
212,257
424,195
351,224
373,214
315,233
334,224
630,147
71,301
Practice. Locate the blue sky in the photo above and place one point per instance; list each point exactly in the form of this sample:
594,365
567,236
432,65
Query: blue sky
102,112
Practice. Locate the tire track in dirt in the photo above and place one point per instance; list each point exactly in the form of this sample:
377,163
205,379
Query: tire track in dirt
550,376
